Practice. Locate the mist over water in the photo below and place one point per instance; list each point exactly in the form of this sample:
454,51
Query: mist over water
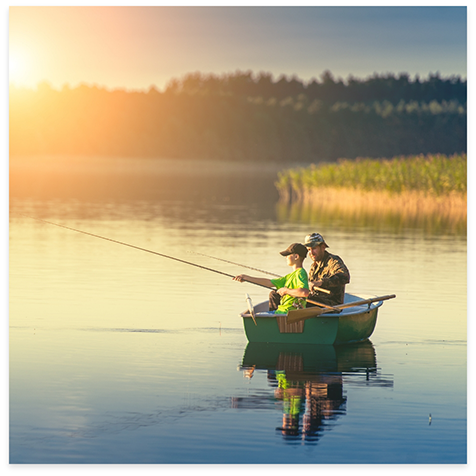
121,356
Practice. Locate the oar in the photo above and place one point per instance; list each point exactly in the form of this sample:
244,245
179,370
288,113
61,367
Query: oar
251,308
254,269
307,313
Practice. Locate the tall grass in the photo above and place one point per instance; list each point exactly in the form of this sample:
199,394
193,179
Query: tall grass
434,175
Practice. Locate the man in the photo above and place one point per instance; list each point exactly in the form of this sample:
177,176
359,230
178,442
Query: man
292,288
327,271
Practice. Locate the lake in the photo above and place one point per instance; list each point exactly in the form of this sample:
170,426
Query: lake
122,356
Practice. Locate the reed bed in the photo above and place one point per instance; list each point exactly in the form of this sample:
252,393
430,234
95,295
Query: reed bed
413,186
433,174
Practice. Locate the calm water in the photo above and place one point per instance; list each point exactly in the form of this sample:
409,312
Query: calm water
121,356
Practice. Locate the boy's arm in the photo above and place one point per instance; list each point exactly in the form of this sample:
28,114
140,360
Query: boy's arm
299,292
300,287
261,281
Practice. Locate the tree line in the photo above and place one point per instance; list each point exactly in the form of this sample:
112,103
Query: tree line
385,87
244,117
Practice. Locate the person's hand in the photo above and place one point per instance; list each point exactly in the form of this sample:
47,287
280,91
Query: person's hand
240,278
282,291
316,284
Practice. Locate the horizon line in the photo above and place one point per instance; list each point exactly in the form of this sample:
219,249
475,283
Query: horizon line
275,78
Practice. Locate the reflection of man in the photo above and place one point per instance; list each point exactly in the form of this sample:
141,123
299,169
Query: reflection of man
314,400
323,400
327,271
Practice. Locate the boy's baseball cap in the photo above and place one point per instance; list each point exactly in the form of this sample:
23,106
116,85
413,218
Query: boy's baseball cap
298,248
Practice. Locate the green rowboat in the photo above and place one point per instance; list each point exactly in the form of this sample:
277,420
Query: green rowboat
352,324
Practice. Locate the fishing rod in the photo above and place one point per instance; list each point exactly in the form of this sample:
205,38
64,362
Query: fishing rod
153,252
136,247
254,269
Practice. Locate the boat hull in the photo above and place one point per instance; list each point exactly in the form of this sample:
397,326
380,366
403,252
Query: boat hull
354,324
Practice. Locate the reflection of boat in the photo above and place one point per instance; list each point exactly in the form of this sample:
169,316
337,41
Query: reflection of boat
309,382
312,358
352,324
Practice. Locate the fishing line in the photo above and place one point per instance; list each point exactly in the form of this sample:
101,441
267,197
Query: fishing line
133,246
236,264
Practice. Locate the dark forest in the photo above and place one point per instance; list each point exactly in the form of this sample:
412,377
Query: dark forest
246,117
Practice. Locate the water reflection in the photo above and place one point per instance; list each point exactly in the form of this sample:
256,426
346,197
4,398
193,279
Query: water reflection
308,383
393,221
104,188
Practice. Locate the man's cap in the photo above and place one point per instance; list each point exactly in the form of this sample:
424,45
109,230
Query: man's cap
297,248
314,239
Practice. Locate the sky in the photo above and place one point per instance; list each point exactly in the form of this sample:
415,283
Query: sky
137,47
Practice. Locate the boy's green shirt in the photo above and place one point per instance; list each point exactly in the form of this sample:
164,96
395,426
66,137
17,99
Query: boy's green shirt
295,280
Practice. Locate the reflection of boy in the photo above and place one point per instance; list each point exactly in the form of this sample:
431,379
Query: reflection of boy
292,289
293,399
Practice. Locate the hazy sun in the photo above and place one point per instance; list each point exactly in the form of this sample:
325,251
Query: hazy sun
18,66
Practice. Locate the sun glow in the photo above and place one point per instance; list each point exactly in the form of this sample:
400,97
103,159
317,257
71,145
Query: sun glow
19,67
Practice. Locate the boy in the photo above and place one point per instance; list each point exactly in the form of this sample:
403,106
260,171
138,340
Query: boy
292,289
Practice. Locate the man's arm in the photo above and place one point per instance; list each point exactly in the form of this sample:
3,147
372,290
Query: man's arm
337,275
336,280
